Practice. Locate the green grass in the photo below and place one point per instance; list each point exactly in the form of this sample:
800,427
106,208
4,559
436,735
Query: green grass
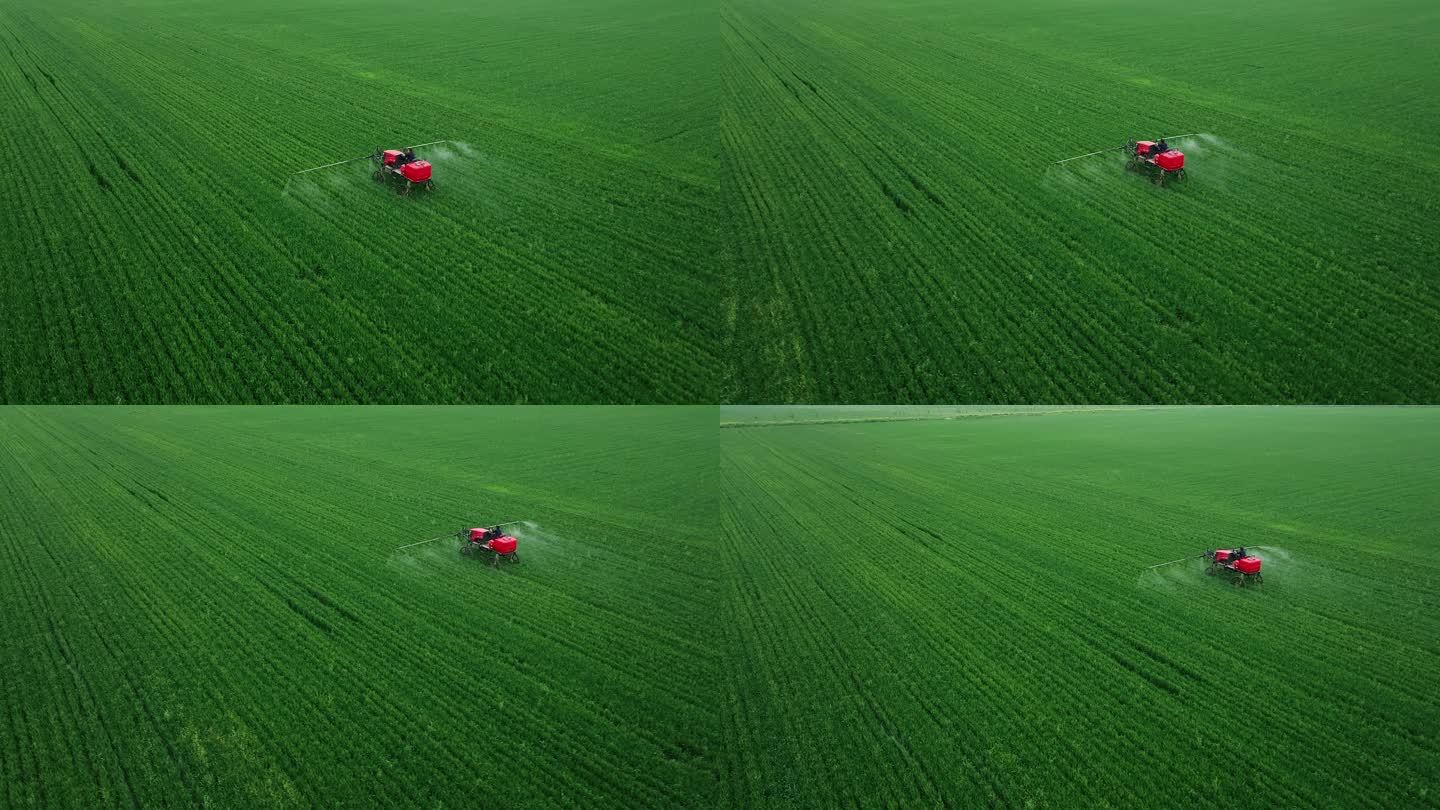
777,415
897,235
567,254
206,606
955,611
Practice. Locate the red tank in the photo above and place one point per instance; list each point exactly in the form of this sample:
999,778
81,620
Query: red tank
503,545
390,156
1248,565
417,171
1171,161
1143,147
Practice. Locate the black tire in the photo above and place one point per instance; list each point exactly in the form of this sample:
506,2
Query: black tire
379,175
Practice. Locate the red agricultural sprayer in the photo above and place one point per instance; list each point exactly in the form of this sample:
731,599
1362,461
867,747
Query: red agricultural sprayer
402,170
490,542
1238,564
1153,158
398,168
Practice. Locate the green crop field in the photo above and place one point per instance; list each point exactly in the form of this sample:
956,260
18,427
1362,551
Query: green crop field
566,255
205,606
769,415
955,612
897,234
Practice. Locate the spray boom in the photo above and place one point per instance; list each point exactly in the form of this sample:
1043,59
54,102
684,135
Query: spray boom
292,175
1117,148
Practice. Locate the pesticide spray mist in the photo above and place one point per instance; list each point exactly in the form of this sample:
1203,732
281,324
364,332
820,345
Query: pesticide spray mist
534,536
421,560
1213,140
1279,563
1211,157
1171,577
448,151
